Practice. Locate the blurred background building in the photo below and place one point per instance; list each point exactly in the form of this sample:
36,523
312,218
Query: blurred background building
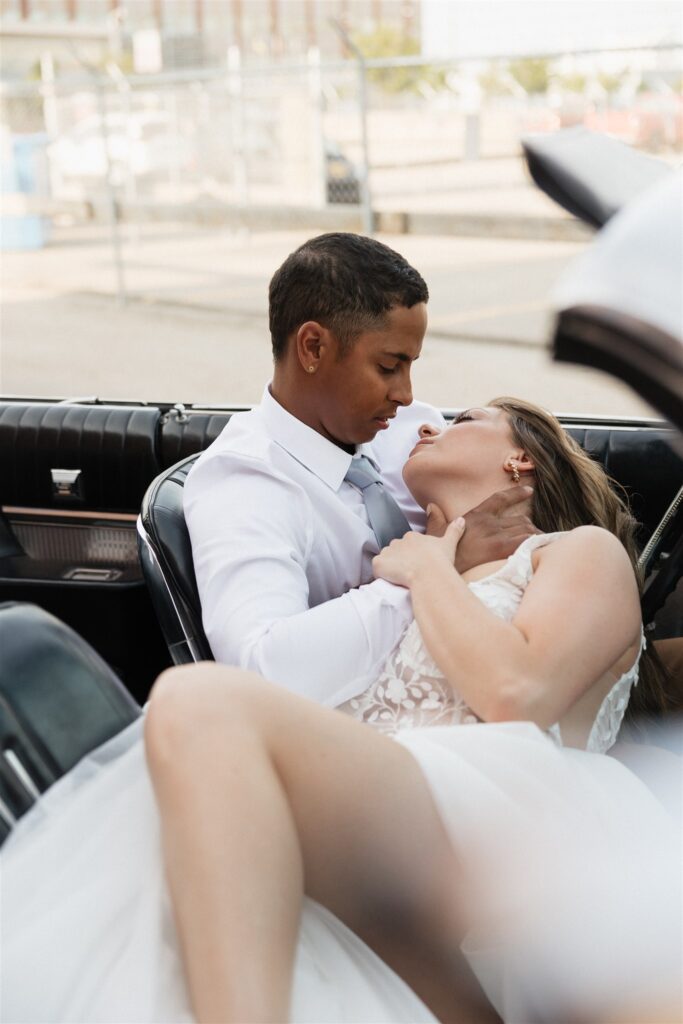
197,32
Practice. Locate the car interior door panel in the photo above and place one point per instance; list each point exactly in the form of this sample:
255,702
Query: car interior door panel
72,476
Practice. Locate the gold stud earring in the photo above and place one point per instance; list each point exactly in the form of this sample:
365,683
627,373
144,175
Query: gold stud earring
311,369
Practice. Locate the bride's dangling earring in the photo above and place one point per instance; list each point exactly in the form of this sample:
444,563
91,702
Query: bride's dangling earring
512,466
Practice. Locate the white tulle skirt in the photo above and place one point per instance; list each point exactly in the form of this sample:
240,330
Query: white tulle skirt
86,927
87,931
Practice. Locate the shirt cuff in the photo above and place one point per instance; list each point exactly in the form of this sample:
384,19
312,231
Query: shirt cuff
396,597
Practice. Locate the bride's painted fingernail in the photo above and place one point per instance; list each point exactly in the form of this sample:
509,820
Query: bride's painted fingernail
460,521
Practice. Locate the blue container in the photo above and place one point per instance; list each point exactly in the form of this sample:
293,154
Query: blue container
23,173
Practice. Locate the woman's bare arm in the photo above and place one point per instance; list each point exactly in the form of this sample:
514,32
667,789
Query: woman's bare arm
578,616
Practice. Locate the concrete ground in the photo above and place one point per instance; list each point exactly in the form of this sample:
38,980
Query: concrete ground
193,327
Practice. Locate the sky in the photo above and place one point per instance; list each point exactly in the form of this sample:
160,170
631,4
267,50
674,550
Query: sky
489,27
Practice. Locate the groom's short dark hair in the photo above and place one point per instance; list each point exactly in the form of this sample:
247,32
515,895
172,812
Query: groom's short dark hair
345,282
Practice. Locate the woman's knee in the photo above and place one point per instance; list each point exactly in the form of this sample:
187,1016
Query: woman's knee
193,706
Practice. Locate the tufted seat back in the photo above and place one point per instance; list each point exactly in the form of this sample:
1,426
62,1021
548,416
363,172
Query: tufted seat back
114,448
185,433
643,461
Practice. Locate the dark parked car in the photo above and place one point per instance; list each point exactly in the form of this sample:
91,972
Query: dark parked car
341,177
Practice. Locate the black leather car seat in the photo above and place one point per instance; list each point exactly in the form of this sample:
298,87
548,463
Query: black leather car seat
641,459
163,541
166,559
58,701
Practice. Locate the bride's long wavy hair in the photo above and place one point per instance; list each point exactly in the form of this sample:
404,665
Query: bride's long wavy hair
571,490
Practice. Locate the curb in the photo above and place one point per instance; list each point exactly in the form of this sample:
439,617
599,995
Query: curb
482,225
349,218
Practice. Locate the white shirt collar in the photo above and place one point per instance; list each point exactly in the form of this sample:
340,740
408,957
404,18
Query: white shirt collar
323,458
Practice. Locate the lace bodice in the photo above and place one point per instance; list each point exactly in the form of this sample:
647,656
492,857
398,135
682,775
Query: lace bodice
412,693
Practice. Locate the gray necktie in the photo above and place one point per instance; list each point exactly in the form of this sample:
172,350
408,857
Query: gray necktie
386,519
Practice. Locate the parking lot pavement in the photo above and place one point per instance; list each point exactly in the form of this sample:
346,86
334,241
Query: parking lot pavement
61,338
493,289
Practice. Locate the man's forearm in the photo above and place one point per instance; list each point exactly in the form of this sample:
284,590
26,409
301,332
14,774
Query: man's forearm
328,653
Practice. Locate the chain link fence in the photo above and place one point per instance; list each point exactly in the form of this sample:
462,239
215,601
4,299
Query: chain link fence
291,135
306,146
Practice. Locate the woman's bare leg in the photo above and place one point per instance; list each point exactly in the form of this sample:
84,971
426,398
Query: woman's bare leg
264,795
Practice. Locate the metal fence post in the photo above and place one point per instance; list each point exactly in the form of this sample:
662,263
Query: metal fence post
239,128
124,90
315,89
111,195
96,78
366,199
366,196
50,115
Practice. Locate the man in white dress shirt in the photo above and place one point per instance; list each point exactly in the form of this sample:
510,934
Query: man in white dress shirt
282,543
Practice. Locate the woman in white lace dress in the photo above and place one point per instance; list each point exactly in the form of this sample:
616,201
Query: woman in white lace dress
321,871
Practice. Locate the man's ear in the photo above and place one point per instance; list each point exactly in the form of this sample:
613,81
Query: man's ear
309,343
